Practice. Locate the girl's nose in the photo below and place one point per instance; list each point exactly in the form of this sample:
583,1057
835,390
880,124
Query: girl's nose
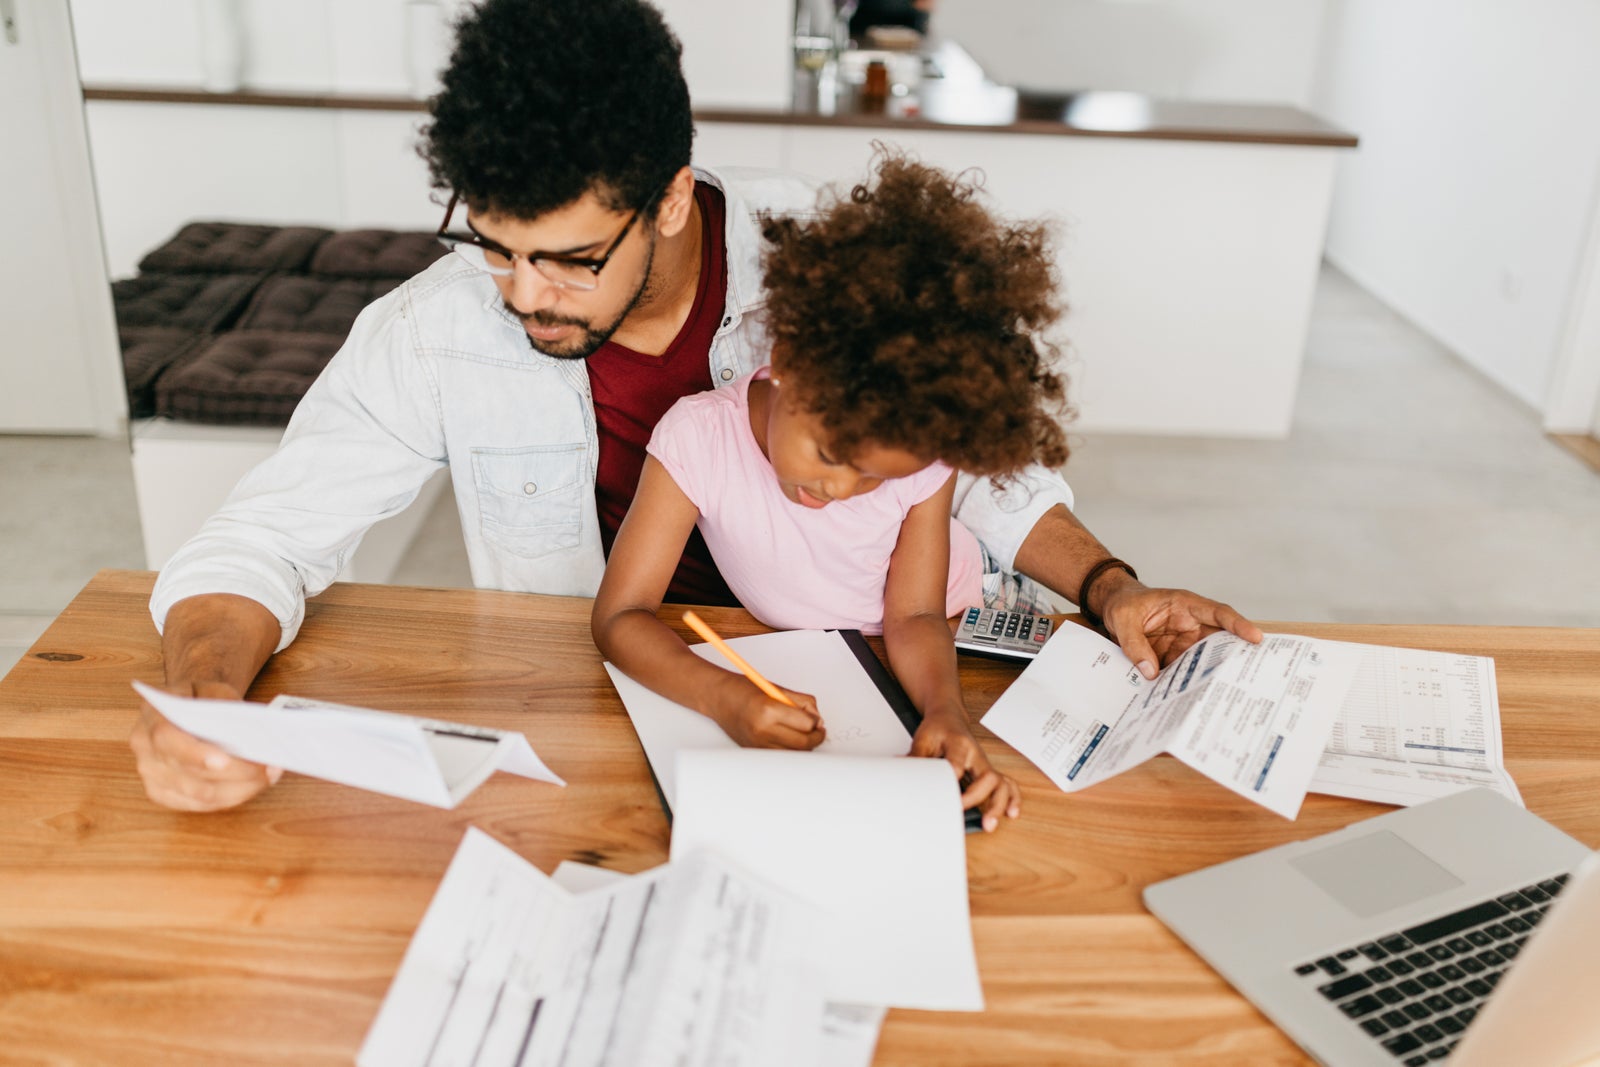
844,483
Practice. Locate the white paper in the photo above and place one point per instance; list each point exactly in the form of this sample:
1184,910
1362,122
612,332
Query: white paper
849,1033
577,877
1416,725
876,843
690,964
404,756
1253,718
858,719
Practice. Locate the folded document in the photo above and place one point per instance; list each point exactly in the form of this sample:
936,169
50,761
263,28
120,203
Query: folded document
403,756
1254,718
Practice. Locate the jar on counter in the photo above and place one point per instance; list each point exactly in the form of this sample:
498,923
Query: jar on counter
875,89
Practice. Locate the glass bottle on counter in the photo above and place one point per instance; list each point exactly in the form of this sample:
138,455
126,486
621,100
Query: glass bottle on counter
816,50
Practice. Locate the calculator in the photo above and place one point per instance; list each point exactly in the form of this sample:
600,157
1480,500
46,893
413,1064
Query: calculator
1004,634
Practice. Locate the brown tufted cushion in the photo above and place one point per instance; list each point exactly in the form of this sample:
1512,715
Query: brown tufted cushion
245,378
375,254
203,303
147,353
311,305
235,247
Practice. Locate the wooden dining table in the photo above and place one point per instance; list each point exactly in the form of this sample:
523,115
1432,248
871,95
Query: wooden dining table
268,934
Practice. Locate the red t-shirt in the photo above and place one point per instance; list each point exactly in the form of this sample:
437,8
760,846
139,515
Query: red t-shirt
632,391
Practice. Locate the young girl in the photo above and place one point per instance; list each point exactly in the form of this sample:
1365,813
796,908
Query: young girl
906,326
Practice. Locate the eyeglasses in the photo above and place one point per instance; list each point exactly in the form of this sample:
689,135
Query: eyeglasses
563,272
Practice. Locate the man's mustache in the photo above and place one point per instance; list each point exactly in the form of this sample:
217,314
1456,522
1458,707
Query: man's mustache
544,318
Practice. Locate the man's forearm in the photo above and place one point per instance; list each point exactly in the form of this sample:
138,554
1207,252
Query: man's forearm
1059,552
218,637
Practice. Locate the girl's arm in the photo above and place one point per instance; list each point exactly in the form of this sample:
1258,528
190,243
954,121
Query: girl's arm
625,627
922,655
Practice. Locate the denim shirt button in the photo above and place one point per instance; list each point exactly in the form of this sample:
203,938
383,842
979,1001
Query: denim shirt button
529,488
727,374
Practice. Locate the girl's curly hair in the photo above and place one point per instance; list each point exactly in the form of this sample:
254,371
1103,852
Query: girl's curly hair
911,318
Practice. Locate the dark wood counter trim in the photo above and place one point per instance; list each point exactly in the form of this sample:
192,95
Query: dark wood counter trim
1330,137
254,98
1234,123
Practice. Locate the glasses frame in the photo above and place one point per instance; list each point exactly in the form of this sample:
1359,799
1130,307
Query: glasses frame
594,265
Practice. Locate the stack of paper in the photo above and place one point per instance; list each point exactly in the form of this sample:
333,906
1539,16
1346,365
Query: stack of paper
705,960
849,1033
877,845
1416,725
509,970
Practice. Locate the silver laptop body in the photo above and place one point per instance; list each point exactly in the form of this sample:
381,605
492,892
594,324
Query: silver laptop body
1315,934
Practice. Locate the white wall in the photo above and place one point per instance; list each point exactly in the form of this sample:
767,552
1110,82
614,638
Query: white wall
1188,267
1466,207
1574,396
353,46
736,53
1258,51
158,166
60,367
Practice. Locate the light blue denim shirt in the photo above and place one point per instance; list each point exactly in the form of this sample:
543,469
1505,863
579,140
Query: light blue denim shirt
437,373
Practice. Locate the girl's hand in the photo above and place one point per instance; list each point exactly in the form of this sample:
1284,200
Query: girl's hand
755,720
947,736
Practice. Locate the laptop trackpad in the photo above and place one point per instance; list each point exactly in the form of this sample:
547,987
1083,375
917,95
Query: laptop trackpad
1375,873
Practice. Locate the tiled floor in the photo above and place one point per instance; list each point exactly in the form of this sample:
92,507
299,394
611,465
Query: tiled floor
1411,490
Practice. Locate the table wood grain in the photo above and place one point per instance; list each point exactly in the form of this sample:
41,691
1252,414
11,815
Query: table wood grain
130,934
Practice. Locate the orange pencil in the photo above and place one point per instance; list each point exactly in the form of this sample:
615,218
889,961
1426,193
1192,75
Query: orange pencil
698,625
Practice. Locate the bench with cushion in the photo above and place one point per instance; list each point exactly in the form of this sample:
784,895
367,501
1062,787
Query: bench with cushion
223,330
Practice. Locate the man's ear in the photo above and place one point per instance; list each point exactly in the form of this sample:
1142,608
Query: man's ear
673,213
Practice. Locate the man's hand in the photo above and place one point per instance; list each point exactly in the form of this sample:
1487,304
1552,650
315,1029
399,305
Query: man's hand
1153,626
222,639
1156,626
183,772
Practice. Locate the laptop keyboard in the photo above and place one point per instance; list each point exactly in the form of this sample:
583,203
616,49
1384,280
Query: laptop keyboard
1416,990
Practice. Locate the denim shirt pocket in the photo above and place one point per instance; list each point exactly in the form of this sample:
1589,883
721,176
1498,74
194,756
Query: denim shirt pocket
530,500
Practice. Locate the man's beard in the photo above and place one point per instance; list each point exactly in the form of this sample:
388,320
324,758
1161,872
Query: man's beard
588,342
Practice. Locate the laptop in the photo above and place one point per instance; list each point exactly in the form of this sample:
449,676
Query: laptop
1464,930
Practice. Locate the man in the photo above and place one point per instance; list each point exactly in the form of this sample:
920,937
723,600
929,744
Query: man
598,279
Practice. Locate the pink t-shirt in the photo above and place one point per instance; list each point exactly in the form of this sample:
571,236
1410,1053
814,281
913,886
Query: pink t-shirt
794,567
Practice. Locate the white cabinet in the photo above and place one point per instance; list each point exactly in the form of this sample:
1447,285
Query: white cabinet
1188,267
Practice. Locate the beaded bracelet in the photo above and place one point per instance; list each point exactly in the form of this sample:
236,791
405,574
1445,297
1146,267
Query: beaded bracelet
1088,580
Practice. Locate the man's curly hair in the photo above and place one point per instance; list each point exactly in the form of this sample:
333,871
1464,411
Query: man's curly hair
912,318
545,100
